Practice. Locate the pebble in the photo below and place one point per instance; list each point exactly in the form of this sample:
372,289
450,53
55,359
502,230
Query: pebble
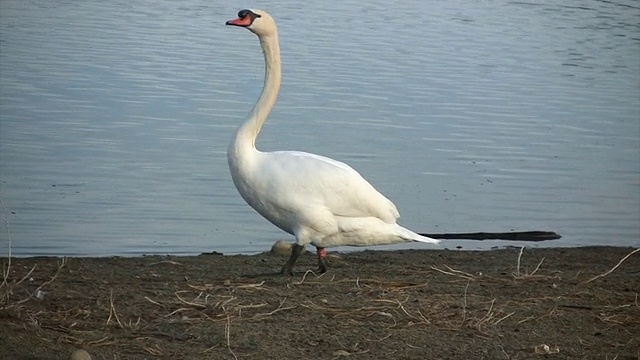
282,248
80,355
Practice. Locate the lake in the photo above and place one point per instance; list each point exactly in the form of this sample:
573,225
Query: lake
470,115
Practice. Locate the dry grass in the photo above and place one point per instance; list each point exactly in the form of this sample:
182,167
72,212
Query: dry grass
206,317
7,298
612,269
5,290
7,287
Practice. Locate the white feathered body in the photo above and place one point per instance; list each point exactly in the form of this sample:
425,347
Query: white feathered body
319,200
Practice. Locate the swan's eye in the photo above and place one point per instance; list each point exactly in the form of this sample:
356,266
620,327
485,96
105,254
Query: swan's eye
246,12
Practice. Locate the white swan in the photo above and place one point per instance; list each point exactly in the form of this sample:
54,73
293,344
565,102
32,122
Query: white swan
321,201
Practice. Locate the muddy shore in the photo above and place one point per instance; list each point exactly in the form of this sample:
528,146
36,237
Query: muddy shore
577,303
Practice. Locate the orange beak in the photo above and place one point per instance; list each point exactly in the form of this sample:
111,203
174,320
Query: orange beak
246,21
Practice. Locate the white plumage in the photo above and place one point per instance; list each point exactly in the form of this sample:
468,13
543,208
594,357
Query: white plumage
320,201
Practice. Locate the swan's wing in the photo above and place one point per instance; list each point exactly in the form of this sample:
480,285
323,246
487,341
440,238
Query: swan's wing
296,177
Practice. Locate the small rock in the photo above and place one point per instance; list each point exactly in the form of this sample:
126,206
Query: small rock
40,294
80,355
282,248
544,349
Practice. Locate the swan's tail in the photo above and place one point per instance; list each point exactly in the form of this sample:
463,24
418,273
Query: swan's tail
412,236
425,239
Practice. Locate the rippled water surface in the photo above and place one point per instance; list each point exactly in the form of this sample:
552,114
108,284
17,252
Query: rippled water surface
470,115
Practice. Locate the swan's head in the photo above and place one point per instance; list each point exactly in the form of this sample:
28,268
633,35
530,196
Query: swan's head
257,21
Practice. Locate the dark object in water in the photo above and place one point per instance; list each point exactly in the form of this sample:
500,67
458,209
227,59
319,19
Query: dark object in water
513,236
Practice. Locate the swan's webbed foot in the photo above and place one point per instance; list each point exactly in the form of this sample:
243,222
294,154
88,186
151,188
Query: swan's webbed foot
322,260
287,269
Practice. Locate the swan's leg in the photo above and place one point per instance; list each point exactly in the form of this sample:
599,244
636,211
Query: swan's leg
295,253
322,260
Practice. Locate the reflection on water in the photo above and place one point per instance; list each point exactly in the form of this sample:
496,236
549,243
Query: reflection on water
471,116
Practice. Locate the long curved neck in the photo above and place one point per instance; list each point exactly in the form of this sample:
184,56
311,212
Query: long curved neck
244,141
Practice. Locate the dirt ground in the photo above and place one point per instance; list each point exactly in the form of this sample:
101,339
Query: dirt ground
420,304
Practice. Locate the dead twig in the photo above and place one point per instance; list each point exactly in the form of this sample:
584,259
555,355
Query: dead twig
252,286
403,309
171,262
488,316
227,284
227,332
100,342
453,272
152,301
517,274
280,308
250,306
9,291
305,276
112,311
519,257
177,311
27,276
155,350
190,303
38,291
464,303
503,318
537,267
61,265
5,271
612,269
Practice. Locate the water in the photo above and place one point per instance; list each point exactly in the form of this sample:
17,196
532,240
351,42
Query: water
470,115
